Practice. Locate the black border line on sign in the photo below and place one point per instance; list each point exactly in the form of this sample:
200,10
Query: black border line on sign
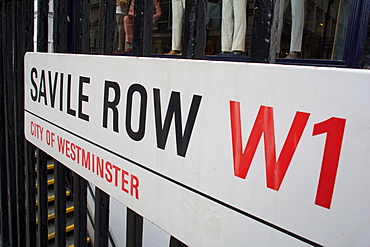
251,216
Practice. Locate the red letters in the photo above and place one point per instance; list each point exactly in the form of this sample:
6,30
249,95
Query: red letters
101,168
276,169
334,127
264,124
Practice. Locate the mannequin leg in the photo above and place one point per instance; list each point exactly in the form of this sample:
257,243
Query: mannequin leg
282,6
227,25
120,33
128,23
240,25
297,25
178,7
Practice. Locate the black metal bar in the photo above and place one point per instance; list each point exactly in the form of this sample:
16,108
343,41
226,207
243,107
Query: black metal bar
60,204
106,29
81,42
365,64
194,32
80,216
101,218
60,45
107,26
60,26
29,148
31,195
261,32
82,26
19,51
4,213
142,46
9,121
134,229
42,208
356,33
174,242
42,25
42,198
143,28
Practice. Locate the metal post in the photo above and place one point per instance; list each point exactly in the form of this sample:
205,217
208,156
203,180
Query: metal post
3,167
31,195
42,25
176,243
261,43
81,42
42,46
19,51
101,218
143,28
134,230
42,198
107,28
28,6
9,120
80,217
194,32
60,45
356,33
60,204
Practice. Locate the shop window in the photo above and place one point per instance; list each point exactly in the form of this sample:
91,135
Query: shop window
308,29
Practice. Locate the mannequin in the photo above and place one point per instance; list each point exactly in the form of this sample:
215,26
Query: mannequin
233,27
178,8
297,26
128,22
119,22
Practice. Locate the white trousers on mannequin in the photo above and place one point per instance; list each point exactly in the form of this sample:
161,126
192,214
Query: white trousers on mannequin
297,24
178,8
234,25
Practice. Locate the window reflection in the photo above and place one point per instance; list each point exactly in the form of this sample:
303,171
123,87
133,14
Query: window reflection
308,29
323,28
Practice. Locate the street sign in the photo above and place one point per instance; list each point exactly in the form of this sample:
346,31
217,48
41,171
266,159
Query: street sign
215,153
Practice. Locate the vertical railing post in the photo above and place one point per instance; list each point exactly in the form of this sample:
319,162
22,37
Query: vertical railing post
10,119
107,26
19,51
106,30
143,28
60,204
31,195
142,46
42,198
42,25
81,45
261,42
28,17
42,208
4,213
60,45
134,229
82,28
176,243
194,34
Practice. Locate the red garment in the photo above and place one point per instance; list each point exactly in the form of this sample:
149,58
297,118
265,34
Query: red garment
128,20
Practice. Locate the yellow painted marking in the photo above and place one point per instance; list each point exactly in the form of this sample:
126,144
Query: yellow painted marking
68,229
50,181
49,167
52,197
87,240
52,215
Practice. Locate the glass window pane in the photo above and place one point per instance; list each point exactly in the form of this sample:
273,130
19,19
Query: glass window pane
313,29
